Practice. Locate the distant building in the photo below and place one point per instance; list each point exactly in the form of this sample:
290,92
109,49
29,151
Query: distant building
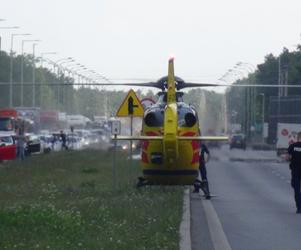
282,110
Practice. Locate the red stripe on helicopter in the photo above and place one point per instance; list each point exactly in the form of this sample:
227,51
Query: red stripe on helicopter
144,158
145,144
190,133
152,133
195,144
195,158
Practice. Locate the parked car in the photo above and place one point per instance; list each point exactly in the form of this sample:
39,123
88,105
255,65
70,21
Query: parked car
74,142
48,143
238,141
33,145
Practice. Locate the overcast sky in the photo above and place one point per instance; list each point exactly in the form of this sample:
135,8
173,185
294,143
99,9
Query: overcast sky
134,38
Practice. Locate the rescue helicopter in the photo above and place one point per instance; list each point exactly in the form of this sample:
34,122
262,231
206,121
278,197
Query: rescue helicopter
170,134
170,130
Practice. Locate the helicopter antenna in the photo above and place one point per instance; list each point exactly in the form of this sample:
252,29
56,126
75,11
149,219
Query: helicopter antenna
170,142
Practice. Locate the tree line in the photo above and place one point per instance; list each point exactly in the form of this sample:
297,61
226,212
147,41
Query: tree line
246,104
88,101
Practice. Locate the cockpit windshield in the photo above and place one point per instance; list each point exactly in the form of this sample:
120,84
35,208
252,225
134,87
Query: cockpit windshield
163,97
187,117
6,124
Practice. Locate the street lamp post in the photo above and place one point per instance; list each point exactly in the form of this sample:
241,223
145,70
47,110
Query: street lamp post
12,27
45,53
11,67
50,62
60,90
22,70
33,75
262,114
0,36
42,72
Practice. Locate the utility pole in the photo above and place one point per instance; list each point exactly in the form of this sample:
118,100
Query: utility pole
279,92
225,114
33,76
246,113
285,79
11,67
22,70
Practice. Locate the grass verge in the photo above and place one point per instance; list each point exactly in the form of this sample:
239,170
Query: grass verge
67,200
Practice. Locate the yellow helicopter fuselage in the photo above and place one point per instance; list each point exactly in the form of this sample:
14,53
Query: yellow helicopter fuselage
159,169
170,160
170,136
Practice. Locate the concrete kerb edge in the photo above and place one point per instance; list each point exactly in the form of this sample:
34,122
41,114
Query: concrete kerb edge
185,233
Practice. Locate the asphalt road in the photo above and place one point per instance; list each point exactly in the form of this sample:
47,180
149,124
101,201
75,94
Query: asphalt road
254,207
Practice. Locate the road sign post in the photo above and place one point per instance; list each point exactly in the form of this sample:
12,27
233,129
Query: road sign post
131,149
116,129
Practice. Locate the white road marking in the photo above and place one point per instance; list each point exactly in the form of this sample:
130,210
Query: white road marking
185,234
217,233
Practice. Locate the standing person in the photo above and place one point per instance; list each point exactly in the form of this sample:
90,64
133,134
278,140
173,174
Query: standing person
21,141
63,137
204,157
294,155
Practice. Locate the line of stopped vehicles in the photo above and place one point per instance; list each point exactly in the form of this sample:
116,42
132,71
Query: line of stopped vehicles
51,141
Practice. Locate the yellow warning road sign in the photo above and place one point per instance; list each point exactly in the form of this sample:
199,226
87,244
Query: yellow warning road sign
131,106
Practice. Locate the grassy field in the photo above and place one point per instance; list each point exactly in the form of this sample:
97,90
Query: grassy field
67,200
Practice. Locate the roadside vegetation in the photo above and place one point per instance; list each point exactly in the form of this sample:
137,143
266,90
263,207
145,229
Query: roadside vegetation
67,200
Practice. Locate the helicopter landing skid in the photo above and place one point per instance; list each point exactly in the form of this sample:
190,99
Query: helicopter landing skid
203,185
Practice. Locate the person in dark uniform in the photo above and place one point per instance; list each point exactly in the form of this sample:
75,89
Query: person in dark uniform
203,172
294,155
63,137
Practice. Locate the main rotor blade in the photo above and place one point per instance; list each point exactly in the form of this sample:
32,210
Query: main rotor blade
265,86
148,84
155,85
197,85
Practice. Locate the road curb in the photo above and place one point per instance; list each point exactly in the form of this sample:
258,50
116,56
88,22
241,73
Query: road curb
185,234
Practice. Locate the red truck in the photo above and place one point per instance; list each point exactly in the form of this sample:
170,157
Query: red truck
7,132
8,121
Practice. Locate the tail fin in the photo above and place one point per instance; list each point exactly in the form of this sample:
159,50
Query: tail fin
171,85
170,142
